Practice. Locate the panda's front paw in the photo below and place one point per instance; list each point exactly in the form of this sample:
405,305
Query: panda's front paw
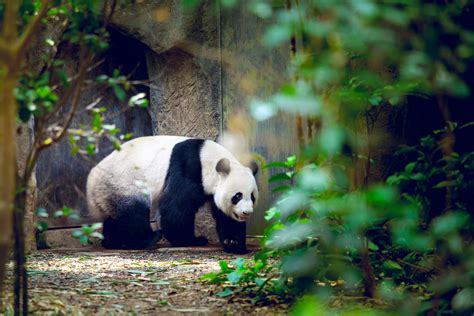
200,241
233,246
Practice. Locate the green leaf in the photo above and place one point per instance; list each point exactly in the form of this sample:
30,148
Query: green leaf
97,122
102,292
136,272
381,194
96,226
48,141
224,266
225,293
228,3
373,246
291,161
410,167
239,262
126,136
279,177
77,233
66,211
138,100
119,92
42,226
83,240
392,265
272,213
101,78
375,100
116,144
209,276
234,276
281,188
309,305
418,176
90,148
451,222
260,281
74,217
41,212
190,4
97,235
444,184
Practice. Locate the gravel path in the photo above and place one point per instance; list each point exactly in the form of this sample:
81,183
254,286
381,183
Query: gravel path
163,281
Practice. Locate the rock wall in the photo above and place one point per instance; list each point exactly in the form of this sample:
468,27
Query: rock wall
253,70
61,176
202,66
184,94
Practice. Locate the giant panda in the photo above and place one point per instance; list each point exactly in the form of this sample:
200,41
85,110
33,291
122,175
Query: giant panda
175,175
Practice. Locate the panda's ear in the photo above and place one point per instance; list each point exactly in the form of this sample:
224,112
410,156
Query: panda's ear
223,166
254,167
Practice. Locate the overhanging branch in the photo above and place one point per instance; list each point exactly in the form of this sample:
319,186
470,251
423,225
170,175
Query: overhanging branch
31,28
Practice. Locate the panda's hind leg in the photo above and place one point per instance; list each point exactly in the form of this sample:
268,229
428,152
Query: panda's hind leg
130,227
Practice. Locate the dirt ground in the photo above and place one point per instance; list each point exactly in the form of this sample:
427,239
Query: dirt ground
164,281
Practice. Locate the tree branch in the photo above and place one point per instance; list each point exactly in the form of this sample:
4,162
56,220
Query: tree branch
38,146
9,25
31,28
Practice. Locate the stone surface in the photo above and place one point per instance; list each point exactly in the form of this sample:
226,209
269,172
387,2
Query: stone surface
51,31
202,66
184,103
35,62
61,176
160,24
181,95
250,70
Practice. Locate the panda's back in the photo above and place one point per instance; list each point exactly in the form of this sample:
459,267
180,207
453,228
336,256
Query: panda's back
139,168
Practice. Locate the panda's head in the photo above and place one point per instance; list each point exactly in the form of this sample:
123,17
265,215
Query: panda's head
236,192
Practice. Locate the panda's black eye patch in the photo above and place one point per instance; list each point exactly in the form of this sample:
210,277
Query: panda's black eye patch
253,198
236,198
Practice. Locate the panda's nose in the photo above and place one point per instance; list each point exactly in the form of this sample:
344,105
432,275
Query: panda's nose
247,213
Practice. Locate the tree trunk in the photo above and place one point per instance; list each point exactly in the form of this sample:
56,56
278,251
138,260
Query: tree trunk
21,280
7,167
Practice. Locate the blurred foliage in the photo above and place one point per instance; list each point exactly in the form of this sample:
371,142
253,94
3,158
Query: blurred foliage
407,242
50,96
38,94
84,234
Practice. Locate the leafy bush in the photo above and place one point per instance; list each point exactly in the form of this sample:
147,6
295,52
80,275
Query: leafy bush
324,240
408,241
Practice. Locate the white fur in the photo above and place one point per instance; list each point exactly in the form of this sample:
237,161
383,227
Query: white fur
224,187
140,167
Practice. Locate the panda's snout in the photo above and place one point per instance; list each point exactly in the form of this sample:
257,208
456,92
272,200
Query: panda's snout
242,216
243,211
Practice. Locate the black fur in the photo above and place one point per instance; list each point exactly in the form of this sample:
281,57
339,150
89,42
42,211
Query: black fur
183,194
231,232
130,229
